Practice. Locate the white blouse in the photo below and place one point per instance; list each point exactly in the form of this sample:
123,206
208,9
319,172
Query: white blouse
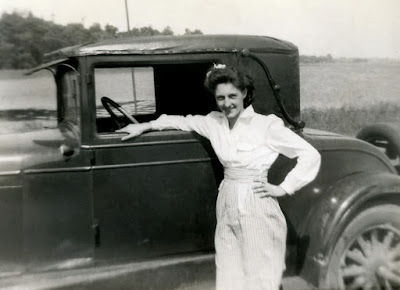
254,142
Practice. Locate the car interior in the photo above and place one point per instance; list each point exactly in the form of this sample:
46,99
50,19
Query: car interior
148,91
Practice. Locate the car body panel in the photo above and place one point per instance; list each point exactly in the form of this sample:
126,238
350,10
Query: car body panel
154,176
42,170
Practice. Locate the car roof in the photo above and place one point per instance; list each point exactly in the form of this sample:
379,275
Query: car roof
177,45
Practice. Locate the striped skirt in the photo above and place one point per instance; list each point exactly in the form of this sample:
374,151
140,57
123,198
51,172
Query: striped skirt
250,238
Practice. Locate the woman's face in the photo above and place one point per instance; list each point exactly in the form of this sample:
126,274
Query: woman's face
230,100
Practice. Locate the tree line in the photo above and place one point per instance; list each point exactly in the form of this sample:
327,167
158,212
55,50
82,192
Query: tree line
25,39
312,59
316,59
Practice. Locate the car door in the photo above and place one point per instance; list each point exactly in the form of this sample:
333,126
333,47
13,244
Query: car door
154,194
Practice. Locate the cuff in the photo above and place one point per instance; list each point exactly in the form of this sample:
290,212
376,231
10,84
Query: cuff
290,189
157,124
153,125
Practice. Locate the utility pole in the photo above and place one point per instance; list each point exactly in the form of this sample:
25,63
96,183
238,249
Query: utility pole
132,69
127,15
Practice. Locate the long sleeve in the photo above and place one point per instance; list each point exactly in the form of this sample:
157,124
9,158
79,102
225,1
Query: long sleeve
288,143
197,123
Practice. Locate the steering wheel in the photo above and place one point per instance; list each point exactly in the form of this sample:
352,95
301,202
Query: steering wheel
107,102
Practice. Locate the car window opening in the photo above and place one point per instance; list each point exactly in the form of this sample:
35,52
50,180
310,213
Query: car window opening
147,92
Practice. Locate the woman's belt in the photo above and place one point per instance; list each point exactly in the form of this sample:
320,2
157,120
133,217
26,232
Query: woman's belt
242,174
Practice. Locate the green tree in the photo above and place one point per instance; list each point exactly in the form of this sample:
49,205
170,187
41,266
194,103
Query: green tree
111,30
192,32
17,40
24,38
167,31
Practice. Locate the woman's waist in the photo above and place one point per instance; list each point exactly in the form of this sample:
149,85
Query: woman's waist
241,174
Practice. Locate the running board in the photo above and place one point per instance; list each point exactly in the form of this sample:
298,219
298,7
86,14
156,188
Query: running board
168,273
194,272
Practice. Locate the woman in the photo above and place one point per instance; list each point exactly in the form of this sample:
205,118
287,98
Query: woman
250,237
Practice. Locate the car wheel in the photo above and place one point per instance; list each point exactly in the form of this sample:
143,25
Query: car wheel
385,136
367,254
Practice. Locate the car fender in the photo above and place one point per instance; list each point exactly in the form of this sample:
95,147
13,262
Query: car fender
339,205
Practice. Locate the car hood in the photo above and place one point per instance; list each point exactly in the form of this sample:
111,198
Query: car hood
22,150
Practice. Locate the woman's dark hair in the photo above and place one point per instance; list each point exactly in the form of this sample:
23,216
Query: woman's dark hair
221,74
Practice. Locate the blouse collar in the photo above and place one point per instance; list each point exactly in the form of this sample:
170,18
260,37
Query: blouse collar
248,113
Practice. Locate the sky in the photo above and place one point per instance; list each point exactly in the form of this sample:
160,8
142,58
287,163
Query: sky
342,28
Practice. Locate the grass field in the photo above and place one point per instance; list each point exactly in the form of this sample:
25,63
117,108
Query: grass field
338,97
348,120
344,97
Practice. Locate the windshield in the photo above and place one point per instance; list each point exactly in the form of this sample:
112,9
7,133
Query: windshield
28,103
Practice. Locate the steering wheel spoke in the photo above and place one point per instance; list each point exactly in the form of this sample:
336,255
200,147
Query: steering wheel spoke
107,103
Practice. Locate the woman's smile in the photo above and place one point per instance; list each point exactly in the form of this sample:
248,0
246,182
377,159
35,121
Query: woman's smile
230,101
229,110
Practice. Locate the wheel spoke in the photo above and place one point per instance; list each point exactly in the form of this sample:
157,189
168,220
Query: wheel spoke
395,267
393,278
386,285
374,238
352,270
395,252
364,245
389,275
369,286
387,240
358,283
357,256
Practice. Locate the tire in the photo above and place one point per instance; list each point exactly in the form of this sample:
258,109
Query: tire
385,136
367,254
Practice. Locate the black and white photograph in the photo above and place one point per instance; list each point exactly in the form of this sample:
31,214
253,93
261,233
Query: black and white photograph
200,144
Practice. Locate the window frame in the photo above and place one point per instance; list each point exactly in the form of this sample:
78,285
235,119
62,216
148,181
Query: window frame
62,71
97,138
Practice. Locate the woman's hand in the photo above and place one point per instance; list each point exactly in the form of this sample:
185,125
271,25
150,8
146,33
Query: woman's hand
264,189
134,130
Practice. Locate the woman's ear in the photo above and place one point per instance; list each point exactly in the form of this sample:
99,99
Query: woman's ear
244,92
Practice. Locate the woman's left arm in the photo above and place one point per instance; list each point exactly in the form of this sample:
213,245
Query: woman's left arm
288,143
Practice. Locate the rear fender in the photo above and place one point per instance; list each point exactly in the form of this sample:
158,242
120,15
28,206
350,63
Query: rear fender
340,204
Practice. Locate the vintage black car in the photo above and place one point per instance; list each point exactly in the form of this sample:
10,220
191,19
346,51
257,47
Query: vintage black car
78,206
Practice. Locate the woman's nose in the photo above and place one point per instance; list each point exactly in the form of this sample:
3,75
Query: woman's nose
227,103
